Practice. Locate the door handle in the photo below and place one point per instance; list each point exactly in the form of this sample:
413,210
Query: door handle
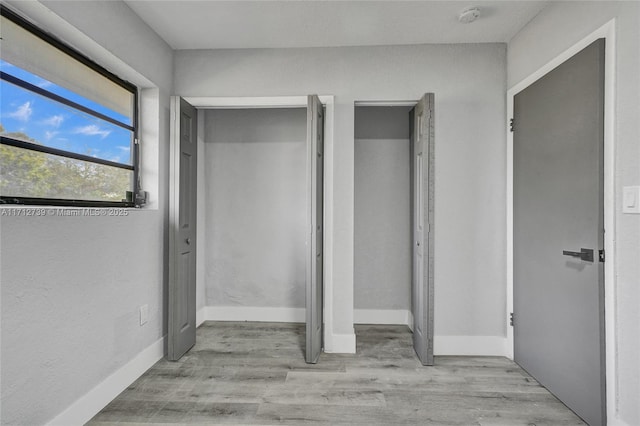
188,241
583,254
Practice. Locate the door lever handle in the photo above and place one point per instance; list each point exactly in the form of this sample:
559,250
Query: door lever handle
583,254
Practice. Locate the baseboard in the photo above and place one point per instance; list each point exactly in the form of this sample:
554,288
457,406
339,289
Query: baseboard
470,345
443,345
333,343
200,316
340,343
616,422
97,398
253,313
383,316
346,343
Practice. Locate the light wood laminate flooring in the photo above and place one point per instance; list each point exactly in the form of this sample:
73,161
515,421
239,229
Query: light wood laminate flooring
254,373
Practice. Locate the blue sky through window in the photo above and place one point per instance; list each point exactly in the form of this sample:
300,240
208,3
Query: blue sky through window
59,90
59,126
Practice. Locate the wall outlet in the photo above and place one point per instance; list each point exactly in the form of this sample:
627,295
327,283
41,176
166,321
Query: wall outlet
144,314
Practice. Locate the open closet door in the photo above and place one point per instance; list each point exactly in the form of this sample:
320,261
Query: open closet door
422,172
182,229
314,278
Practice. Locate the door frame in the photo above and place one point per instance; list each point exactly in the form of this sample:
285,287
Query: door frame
244,102
607,31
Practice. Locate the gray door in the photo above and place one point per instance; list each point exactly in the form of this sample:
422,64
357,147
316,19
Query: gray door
422,200
315,161
182,234
558,225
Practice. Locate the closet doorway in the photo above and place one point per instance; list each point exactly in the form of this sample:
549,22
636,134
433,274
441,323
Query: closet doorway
394,217
263,223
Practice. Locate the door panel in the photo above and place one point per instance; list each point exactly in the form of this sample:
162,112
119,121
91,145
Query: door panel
422,170
183,292
185,194
182,234
558,206
315,283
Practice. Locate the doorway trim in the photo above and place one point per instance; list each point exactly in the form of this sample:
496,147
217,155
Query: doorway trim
607,31
331,342
407,103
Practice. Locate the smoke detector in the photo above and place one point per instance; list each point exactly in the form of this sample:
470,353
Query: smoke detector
469,15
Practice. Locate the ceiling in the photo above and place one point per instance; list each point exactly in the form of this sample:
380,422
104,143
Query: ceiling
266,24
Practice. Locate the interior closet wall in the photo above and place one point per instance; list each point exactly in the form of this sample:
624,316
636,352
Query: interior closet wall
382,222
255,195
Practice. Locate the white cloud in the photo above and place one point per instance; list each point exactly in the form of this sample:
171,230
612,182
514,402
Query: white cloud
23,113
48,135
92,130
54,120
43,84
124,148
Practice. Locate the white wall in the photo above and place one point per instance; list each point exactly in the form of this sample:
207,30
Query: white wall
558,27
469,83
255,214
72,286
382,257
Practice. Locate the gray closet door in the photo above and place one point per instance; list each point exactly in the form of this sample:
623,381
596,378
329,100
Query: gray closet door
315,161
558,230
422,170
182,234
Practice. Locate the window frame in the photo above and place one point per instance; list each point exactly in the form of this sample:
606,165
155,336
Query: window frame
134,127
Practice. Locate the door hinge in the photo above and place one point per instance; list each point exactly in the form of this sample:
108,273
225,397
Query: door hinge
511,125
601,255
511,319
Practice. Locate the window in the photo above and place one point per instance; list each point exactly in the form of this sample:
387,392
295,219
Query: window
68,127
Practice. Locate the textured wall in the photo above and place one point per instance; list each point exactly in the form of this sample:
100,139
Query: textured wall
255,197
72,286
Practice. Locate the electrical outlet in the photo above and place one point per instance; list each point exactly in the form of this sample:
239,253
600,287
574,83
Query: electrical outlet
144,314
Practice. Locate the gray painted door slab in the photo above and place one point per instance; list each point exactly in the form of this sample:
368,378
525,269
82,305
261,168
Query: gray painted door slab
182,234
315,205
423,191
558,207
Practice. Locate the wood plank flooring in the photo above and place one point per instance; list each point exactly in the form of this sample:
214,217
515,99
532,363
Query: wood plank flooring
254,373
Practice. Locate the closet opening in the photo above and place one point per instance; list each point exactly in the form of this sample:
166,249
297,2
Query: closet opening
382,222
394,219
255,214
247,216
